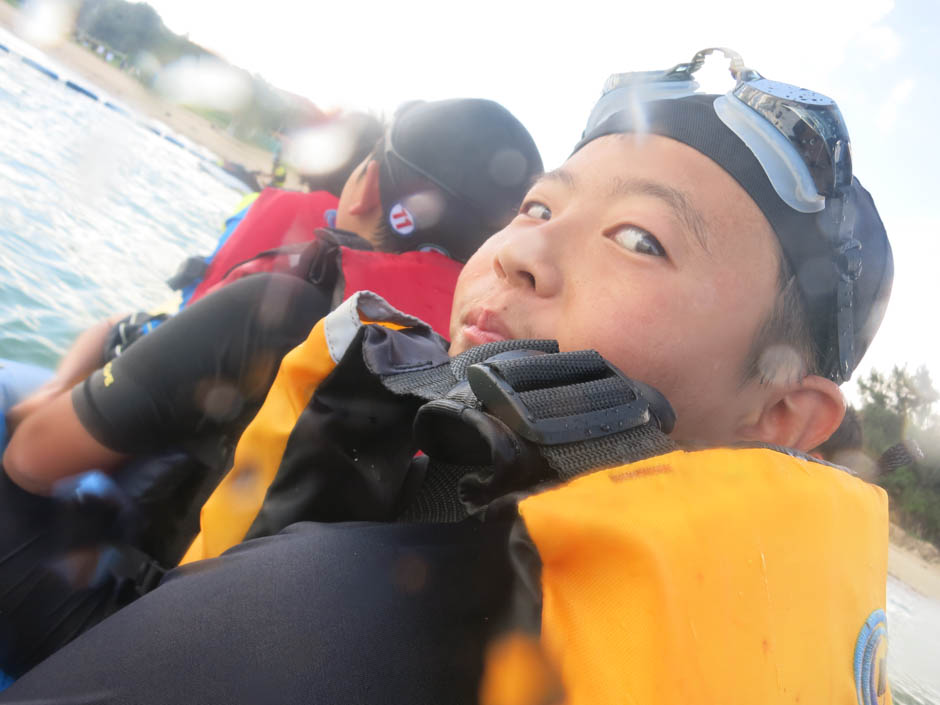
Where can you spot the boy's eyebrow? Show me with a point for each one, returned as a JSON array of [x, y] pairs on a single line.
[[560, 175], [674, 198]]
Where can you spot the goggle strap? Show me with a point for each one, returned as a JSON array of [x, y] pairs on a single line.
[[847, 255], [846, 326]]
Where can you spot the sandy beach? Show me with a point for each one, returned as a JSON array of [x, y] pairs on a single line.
[[914, 562], [131, 93]]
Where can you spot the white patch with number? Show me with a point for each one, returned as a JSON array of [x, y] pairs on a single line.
[[401, 220]]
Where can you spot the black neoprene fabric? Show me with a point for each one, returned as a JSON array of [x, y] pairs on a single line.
[[348, 456], [321, 613], [232, 338], [40, 607], [205, 370]]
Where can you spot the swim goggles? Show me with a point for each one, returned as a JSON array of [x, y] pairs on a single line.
[[800, 140]]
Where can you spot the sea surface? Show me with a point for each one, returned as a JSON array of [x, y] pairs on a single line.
[[97, 210]]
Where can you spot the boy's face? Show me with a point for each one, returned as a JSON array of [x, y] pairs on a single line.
[[648, 252]]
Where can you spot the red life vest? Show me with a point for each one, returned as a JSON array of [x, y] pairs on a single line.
[[419, 283], [276, 218]]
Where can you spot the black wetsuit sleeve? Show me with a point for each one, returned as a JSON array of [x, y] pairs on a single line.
[[204, 371]]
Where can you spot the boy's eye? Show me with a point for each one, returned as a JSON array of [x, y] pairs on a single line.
[[534, 209], [638, 240]]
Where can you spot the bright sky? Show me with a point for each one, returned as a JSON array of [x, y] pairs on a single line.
[[547, 62]]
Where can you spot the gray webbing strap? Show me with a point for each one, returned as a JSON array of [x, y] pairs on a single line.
[[525, 418]]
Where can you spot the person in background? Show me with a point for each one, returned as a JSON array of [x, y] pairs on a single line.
[[445, 176], [844, 447], [281, 218]]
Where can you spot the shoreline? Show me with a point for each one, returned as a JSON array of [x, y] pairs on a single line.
[[128, 91], [914, 562]]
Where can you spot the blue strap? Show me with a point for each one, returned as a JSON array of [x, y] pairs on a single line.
[[5, 681]]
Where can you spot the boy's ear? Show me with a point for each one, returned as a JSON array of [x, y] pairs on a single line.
[[802, 417], [367, 197]]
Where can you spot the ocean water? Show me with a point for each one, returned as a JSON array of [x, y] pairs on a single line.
[[96, 211]]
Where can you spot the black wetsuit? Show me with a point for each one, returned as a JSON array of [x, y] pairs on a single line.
[[320, 613], [194, 383], [363, 612], [205, 371]]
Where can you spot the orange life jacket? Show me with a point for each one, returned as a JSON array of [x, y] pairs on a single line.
[[747, 575]]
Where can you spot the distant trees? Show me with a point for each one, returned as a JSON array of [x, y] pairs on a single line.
[[897, 407], [132, 28], [136, 30]]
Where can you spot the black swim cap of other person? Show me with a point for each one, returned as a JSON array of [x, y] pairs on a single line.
[[453, 172]]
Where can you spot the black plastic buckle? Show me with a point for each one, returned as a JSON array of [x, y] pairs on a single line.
[[148, 577], [500, 399], [848, 257], [138, 567], [190, 272]]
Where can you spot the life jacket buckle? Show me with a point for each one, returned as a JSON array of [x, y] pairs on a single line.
[[148, 577], [130, 563], [499, 397]]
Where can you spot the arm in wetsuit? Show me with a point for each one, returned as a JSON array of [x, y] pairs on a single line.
[[83, 358], [205, 371]]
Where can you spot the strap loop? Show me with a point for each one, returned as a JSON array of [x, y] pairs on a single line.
[[848, 258], [565, 397], [133, 564]]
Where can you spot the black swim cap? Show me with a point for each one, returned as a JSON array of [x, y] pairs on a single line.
[[454, 172], [805, 238]]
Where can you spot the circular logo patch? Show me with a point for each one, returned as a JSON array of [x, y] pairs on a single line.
[[401, 220], [871, 651], [431, 247]]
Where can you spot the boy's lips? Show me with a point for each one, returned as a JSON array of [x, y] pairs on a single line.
[[484, 326]]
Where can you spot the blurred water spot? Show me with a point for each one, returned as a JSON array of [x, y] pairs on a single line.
[[508, 167], [82, 567], [780, 365], [274, 303], [47, 22], [322, 148], [204, 82], [426, 207], [148, 64], [97, 169], [245, 482], [410, 573], [219, 400]]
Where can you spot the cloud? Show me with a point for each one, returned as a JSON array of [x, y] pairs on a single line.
[[909, 334], [880, 43], [889, 111]]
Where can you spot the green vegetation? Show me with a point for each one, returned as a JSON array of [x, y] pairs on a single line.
[[899, 407], [142, 45], [132, 28]]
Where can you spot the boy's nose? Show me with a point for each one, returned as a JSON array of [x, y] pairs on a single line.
[[529, 259]]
